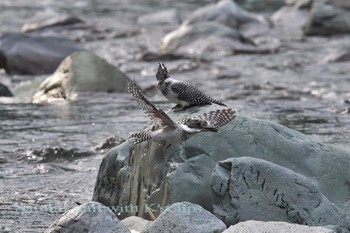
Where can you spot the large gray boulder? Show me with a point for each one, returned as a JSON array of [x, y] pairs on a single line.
[[24, 54], [253, 189], [186, 217], [274, 227], [150, 174], [328, 18], [81, 72], [90, 217]]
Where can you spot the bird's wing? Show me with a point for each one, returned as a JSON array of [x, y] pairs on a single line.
[[216, 118], [189, 93], [155, 114]]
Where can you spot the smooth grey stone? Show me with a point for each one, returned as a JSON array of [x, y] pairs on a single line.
[[136, 224], [186, 217], [80, 72], [274, 227], [225, 12], [24, 54], [48, 19], [203, 37], [92, 217]]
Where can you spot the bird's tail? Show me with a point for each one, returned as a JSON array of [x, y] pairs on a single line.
[[140, 137], [218, 102]]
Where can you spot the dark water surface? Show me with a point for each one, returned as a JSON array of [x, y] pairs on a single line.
[[291, 88]]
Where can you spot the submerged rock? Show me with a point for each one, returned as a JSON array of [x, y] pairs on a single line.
[[55, 153], [81, 72], [253, 189], [148, 173], [25, 54], [187, 218], [90, 217], [274, 227], [338, 55], [5, 91]]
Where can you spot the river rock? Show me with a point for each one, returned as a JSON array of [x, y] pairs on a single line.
[[253, 189], [288, 22], [338, 55], [26, 54], [81, 72], [169, 16], [202, 38], [300, 3], [136, 224], [216, 29], [3, 61], [327, 18], [274, 227], [5, 91], [186, 217], [49, 18], [90, 217], [225, 12]]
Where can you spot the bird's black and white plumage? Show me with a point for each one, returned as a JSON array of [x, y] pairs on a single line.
[[184, 94], [170, 132]]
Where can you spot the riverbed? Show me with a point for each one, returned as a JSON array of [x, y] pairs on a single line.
[[292, 87]]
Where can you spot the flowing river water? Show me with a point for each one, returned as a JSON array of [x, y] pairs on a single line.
[[49, 153]]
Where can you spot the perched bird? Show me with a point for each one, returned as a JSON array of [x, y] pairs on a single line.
[[182, 93], [170, 132]]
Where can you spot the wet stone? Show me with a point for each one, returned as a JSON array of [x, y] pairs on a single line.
[[26, 54], [5, 91], [327, 19], [109, 143], [90, 217], [49, 19], [80, 72], [187, 218], [170, 16]]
